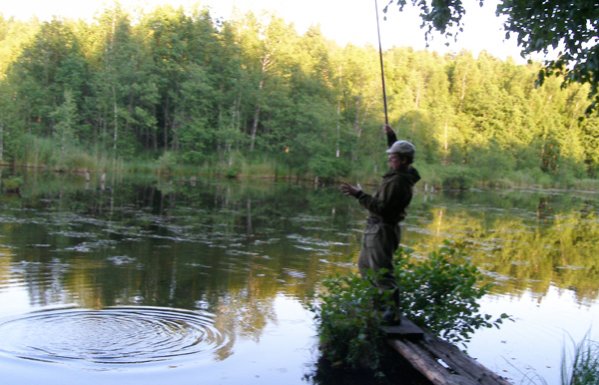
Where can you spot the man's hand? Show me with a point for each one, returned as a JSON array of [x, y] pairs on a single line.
[[387, 128], [348, 189]]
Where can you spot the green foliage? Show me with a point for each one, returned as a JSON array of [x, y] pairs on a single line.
[[349, 323], [65, 117], [205, 90], [48, 66], [12, 184], [583, 367], [36, 151], [443, 16], [491, 162], [440, 293], [329, 167], [167, 163], [457, 178], [40, 152], [76, 159], [260, 168], [570, 26]]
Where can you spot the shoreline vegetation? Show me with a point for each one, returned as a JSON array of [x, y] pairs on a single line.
[[176, 92], [436, 178]]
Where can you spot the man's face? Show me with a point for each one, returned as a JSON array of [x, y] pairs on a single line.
[[394, 161]]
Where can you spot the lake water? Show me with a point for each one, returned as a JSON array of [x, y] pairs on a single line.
[[208, 282]]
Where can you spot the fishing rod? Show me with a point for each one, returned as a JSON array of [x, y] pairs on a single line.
[[378, 29]]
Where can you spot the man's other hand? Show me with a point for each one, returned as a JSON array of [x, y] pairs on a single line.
[[348, 189]]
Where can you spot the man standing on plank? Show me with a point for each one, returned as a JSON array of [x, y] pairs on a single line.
[[386, 209]]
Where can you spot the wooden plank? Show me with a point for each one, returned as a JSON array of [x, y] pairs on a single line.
[[423, 363], [406, 329], [461, 363], [443, 363]]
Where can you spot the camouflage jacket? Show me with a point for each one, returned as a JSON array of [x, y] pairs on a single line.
[[389, 203]]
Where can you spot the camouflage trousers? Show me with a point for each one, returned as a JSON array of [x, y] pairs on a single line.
[[379, 243]]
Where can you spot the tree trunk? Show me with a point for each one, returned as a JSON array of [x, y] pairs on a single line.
[[1, 142], [165, 126], [445, 143], [462, 93], [337, 149], [266, 62], [357, 126], [115, 111], [115, 135], [254, 128], [175, 133]]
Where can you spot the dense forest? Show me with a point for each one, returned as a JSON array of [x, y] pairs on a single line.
[[176, 87]]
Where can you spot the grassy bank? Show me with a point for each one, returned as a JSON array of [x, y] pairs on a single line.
[[46, 154]]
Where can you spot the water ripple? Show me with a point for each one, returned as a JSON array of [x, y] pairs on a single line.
[[111, 336]]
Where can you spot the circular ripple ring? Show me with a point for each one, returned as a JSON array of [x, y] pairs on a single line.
[[114, 335]]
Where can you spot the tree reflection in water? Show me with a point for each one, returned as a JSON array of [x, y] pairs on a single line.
[[232, 247]]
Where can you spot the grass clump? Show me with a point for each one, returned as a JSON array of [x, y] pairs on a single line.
[[583, 367]]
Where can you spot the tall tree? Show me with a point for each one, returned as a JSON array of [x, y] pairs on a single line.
[[202, 89], [124, 90], [266, 44], [168, 30], [48, 66], [65, 117], [360, 100], [225, 61], [14, 35]]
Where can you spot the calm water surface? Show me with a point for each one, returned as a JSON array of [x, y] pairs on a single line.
[[208, 282]]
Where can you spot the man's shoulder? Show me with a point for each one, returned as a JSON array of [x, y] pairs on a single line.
[[410, 176], [395, 178]]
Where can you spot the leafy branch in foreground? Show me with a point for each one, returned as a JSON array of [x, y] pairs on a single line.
[[439, 293], [564, 26], [348, 323]]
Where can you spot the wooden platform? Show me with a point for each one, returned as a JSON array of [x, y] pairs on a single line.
[[438, 361], [406, 330]]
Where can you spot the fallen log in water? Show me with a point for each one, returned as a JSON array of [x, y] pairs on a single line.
[[438, 361]]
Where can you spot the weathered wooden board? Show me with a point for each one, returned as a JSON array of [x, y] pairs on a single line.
[[443, 363]]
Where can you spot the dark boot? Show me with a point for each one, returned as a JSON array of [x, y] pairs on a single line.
[[391, 316]]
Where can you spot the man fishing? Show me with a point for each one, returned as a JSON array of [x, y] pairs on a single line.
[[386, 209]]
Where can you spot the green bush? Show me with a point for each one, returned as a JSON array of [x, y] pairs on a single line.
[[328, 168], [457, 182], [167, 163], [12, 184], [348, 323], [492, 162], [77, 159], [439, 293], [38, 151], [457, 178]]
